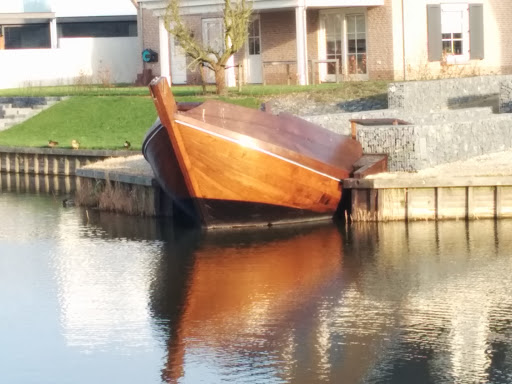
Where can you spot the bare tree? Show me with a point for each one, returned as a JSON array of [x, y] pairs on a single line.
[[236, 18]]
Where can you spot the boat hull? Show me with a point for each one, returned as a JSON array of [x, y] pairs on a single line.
[[224, 208], [229, 166]]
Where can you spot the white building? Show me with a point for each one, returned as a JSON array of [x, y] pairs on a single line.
[[54, 42]]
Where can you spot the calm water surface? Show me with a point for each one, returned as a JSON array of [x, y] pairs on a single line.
[[100, 298]]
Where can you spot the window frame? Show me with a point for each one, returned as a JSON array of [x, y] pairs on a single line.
[[474, 47], [463, 8]]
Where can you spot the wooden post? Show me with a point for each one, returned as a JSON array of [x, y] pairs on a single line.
[[239, 78], [353, 129]]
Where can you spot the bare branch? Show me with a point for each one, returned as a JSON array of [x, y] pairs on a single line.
[[236, 18]]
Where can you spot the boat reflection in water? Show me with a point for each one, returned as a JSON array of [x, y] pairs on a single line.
[[418, 302], [243, 292]]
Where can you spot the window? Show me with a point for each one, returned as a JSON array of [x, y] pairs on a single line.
[[455, 32], [254, 37], [356, 44], [98, 29], [27, 36], [454, 24]]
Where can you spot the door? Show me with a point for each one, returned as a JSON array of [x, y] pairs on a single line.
[[356, 45], [343, 38], [178, 62], [254, 69], [212, 36], [333, 30]]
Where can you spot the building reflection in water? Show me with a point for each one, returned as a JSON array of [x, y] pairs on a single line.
[[378, 302]]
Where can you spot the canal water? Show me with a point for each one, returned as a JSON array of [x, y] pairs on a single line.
[[88, 297]]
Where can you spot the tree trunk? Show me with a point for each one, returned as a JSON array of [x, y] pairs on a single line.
[[202, 71], [220, 80]]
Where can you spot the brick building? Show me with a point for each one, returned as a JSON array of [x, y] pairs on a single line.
[[305, 41]]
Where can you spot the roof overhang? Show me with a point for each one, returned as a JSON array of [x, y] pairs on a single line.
[[26, 18], [193, 7]]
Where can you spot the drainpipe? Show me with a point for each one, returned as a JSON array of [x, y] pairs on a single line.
[[403, 42]]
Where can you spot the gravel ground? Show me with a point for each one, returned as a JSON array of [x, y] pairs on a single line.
[[131, 165], [303, 104]]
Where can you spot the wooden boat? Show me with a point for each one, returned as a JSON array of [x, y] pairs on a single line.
[[226, 165]]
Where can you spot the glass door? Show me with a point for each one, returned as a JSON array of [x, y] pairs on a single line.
[[254, 65], [333, 44], [356, 44]]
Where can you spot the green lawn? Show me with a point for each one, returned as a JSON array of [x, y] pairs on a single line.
[[103, 118], [96, 122], [346, 90]]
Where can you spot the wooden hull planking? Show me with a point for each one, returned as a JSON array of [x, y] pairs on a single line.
[[234, 166]]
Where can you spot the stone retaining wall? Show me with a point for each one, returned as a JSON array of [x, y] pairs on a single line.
[[443, 94], [415, 147], [450, 120], [505, 100]]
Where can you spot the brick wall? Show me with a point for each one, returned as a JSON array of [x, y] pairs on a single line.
[[380, 42], [501, 11], [150, 37], [278, 44]]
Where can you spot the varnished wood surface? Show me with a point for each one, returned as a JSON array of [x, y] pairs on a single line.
[[249, 141], [285, 131], [236, 154], [229, 171]]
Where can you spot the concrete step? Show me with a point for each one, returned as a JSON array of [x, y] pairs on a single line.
[[14, 112], [11, 115]]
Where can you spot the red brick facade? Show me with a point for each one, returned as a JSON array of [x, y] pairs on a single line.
[[391, 32]]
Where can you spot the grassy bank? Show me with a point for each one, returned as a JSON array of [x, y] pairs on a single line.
[[103, 122], [104, 117], [254, 93]]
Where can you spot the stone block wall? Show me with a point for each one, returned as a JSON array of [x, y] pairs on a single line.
[[148, 25], [423, 96], [505, 99], [414, 147]]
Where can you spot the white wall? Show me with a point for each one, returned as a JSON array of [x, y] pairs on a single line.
[[76, 59], [416, 40]]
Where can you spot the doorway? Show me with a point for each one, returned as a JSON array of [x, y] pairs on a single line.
[[212, 36], [178, 62], [254, 66], [343, 38]]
